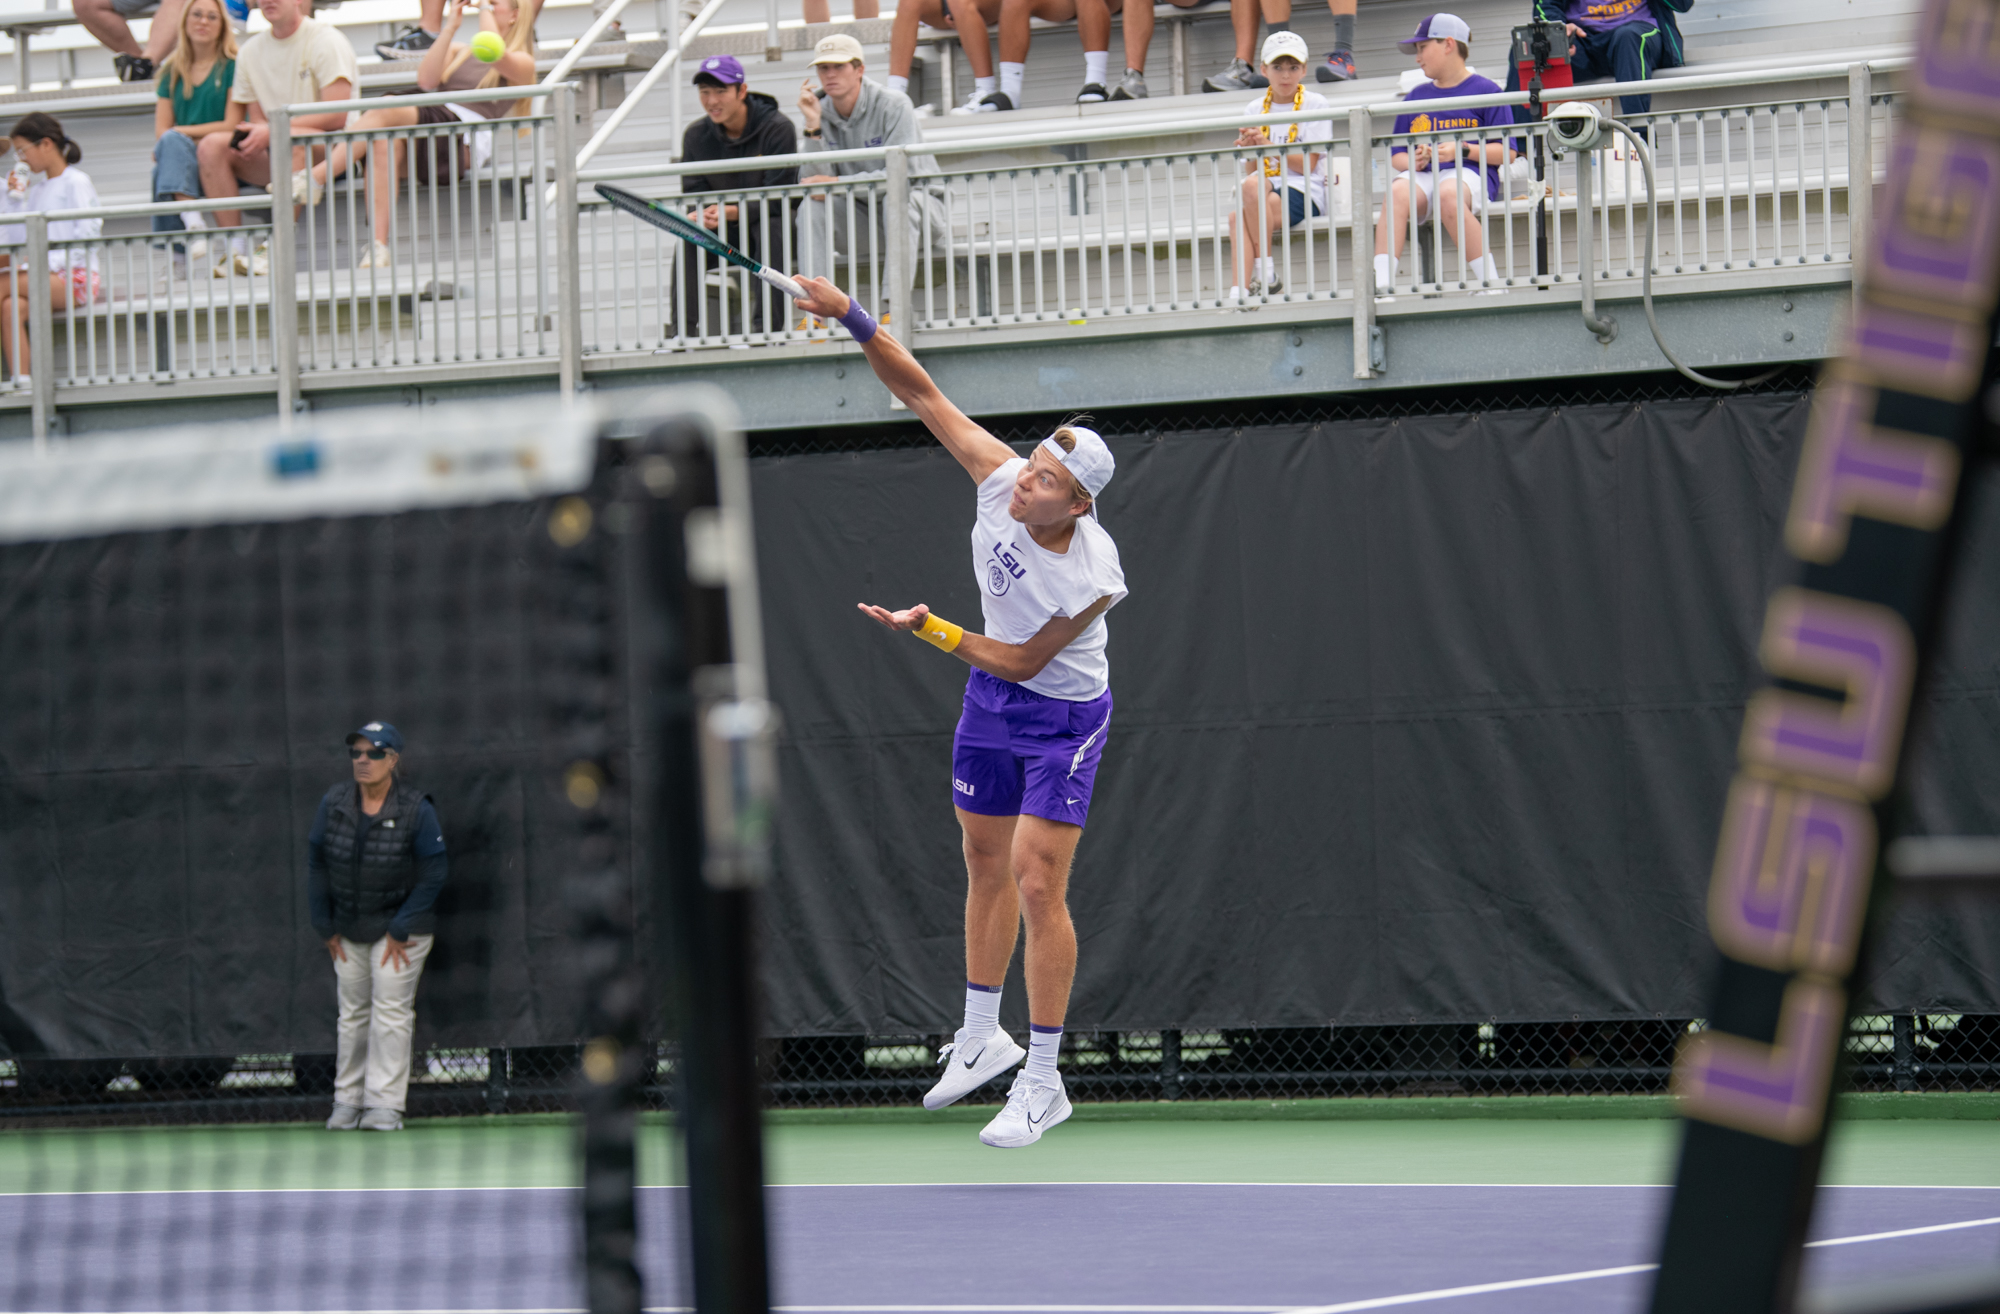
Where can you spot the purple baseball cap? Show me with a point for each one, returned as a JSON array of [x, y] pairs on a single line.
[[1433, 27], [722, 68]]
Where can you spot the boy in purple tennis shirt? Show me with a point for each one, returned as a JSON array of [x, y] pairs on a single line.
[[1037, 708], [1460, 176]]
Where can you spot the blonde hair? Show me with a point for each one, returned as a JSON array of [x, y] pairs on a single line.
[[178, 67], [519, 37], [1065, 438]]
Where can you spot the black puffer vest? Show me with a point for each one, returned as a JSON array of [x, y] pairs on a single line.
[[367, 893]]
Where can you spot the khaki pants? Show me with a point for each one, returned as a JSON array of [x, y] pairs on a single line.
[[377, 1015]]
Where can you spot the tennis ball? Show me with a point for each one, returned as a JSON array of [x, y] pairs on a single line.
[[488, 47], [1076, 315]]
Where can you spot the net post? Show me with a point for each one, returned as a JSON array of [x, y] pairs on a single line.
[[41, 338], [1361, 217], [569, 296], [709, 796], [284, 267]]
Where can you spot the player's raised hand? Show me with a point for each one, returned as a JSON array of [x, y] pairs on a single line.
[[903, 621], [823, 298]]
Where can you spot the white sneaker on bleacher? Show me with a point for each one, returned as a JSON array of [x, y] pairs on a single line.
[[970, 1064], [1032, 1108], [990, 102]]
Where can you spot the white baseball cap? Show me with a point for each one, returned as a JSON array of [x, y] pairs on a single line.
[[1090, 462], [1285, 43], [838, 48], [1433, 27]]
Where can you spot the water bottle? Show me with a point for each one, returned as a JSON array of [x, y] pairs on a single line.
[[19, 177]]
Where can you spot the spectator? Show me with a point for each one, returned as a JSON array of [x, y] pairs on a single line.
[[1015, 37], [1281, 189], [44, 177], [193, 103], [108, 22], [854, 115], [300, 59], [375, 863], [738, 123], [413, 41], [1460, 177], [447, 66], [1093, 25], [1277, 16], [972, 36], [1624, 40]]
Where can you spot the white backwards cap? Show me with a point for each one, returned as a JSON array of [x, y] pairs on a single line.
[[1090, 463]]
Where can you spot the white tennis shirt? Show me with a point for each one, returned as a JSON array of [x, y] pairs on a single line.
[[1023, 586]]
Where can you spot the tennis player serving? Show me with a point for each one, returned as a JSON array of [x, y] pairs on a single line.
[[1037, 705]]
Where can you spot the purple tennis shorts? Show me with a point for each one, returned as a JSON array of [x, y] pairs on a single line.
[[1017, 751]]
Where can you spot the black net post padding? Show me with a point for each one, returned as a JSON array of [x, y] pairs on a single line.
[[596, 786], [1875, 528], [710, 918]]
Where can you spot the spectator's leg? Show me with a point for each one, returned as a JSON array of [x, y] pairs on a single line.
[[1137, 19], [431, 16], [388, 165], [1246, 230], [1634, 54], [1392, 226], [903, 37], [176, 176], [164, 34], [1244, 15], [1459, 208], [974, 36], [867, 9], [1093, 29], [350, 1059], [107, 26], [818, 11], [692, 291], [392, 1019], [221, 170]]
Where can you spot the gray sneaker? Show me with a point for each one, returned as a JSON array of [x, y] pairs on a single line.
[[345, 1118], [381, 1120], [1239, 76], [410, 43], [1132, 86]]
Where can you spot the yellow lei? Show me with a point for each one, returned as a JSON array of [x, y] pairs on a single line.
[[1274, 166]]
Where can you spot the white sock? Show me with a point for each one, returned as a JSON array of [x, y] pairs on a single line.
[[1093, 65], [194, 220], [985, 86], [899, 83], [1485, 267], [1010, 81], [1266, 269], [1043, 1045], [1385, 271], [982, 1011], [239, 245]]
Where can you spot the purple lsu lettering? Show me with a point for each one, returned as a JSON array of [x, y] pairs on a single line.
[[1850, 467], [1791, 878], [1010, 561], [1777, 1091]]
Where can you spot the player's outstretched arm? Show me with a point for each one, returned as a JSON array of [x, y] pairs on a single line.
[[1013, 662], [977, 450]]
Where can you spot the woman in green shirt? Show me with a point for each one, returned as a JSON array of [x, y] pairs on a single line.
[[193, 102]]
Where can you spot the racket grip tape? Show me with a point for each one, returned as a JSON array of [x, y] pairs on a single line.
[[940, 633], [783, 283]]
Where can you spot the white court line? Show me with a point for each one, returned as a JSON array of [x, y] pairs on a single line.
[[822, 1186]]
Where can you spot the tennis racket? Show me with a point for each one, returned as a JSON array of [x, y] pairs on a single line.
[[660, 216]]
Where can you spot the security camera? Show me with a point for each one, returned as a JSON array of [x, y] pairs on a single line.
[[1575, 125]]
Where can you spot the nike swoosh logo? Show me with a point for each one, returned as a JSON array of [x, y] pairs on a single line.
[[1033, 1121], [969, 1062]]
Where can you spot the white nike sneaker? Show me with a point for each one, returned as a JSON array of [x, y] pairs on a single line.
[[1032, 1108], [970, 1064]]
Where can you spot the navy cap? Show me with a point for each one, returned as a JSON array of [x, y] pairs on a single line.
[[721, 68], [381, 734]]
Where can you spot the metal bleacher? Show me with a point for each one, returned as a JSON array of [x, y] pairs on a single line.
[[1060, 232]]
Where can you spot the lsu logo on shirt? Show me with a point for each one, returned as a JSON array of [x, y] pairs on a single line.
[[1002, 569]]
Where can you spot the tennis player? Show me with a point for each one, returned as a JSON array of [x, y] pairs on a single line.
[[1037, 705]]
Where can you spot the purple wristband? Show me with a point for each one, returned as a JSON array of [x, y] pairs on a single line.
[[858, 321]]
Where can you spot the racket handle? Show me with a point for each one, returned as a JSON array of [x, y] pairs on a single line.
[[784, 283]]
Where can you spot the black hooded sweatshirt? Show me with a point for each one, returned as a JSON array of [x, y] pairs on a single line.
[[765, 132]]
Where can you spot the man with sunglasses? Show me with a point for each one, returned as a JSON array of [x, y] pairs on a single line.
[[375, 863]]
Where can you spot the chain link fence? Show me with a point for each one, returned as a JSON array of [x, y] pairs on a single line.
[[1886, 1052]]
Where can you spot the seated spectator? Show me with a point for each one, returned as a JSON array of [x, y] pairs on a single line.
[[193, 103], [108, 22], [1277, 16], [71, 278], [738, 123], [971, 35], [857, 114], [1460, 177], [1093, 24], [1624, 40], [1281, 190], [300, 59], [1015, 36], [447, 66]]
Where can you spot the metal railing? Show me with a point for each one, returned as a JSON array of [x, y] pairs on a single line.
[[1017, 231]]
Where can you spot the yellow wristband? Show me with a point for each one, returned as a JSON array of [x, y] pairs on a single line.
[[940, 633]]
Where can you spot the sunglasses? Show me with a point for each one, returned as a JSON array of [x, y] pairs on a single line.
[[376, 754]]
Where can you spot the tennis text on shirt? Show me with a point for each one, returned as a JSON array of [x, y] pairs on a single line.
[[1470, 121], [1023, 586]]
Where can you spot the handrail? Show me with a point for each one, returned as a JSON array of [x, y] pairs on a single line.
[[1079, 136], [422, 98], [585, 42]]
